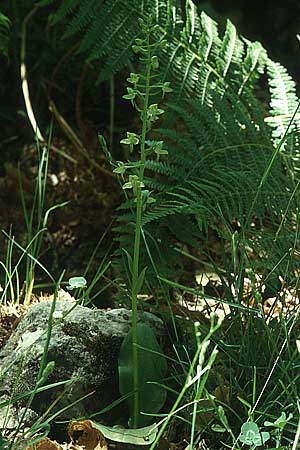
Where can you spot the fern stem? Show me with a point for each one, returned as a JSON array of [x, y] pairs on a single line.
[[137, 240]]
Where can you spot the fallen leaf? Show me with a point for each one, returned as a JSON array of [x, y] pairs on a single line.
[[85, 434], [45, 444]]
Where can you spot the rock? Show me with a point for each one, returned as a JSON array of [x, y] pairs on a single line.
[[84, 346], [9, 420]]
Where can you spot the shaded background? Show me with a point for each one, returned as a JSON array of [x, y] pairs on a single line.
[[94, 196], [274, 23]]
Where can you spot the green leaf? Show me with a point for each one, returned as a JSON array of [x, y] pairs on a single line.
[[223, 418], [129, 260], [46, 372], [152, 369], [217, 428], [137, 436], [140, 280], [147, 199]]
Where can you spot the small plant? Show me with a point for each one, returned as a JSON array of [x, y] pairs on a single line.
[[143, 87], [76, 283], [278, 426], [36, 217], [252, 436], [195, 379]]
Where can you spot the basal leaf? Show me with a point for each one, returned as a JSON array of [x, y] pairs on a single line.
[[152, 369]]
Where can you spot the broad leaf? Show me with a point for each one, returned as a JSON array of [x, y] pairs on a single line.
[[137, 436], [152, 369]]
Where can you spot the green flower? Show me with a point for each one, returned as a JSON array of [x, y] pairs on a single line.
[[157, 147], [131, 140], [153, 113], [121, 169], [166, 88], [154, 62], [131, 94], [134, 78], [134, 183]]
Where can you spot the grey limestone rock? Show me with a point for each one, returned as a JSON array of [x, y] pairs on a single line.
[[84, 345]]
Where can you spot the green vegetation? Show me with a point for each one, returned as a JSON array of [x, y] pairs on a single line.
[[143, 88], [205, 161]]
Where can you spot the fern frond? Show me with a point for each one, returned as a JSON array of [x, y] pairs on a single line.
[[284, 100], [88, 10], [285, 115], [253, 65], [4, 34], [46, 2], [231, 53], [162, 168], [196, 59], [209, 42], [66, 8], [218, 141]]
